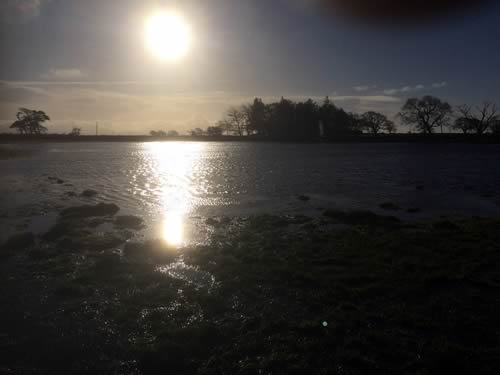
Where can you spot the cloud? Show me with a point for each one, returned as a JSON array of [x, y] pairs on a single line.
[[20, 11], [404, 89], [386, 104], [391, 91], [17, 93], [63, 74], [408, 89], [370, 98], [364, 88], [439, 85]]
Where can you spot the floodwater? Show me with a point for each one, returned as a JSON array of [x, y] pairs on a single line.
[[176, 186]]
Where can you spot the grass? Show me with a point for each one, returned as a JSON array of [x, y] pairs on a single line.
[[12, 153], [347, 293], [129, 221]]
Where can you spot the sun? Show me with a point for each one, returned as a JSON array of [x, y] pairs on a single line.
[[168, 35]]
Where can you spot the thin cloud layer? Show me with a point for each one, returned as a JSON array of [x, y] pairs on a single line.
[[364, 88], [63, 75], [439, 85], [409, 89]]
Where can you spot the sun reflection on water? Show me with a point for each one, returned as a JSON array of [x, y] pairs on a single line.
[[174, 163], [173, 228]]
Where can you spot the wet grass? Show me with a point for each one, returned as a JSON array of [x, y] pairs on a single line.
[[128, 221], [389, 206], [13, 153], [80, 212], [346, 293]]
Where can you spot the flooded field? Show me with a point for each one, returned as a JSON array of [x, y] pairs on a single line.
[[175, 186], [213, 258]]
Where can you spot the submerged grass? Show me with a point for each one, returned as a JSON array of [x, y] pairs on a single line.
[[13, 153], [347, 293]]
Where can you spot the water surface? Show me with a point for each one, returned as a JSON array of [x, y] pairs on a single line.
[[175, 186]]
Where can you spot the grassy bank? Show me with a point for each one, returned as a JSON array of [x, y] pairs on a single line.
[[347, 293]]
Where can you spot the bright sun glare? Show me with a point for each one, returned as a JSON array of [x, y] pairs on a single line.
[[168, 35]]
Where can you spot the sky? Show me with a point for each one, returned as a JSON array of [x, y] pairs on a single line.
[[84, 61]]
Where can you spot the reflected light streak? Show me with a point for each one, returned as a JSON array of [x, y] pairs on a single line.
[[173, 228], [174, 163]]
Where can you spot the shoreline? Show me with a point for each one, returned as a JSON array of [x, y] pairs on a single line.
[[365, 138]]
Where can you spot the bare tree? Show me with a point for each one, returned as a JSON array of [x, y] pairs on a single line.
[[225, 126], [480, 120], [375, 122], [462, 124], [246, 110], [426, 113], [235, 121], [391, 127]]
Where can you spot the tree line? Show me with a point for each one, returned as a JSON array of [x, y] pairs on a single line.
[[309, 121], [429, 113], [31, 122], [298, 121], [288, 120]]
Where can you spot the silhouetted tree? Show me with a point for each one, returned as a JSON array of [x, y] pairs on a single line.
[[495, 127], [214, 131], [335, 121], [281, 116], [235, 121], [225, 126], [375, 122], [197, 132], [355, 123], [257, 117], [75, 132], [426, 113], [246, 109], [306, 124], [326, 114], [30, 121], [480, 120], [172, 133], [462, 124], [157, 134], [288, 120], [391, 127]]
